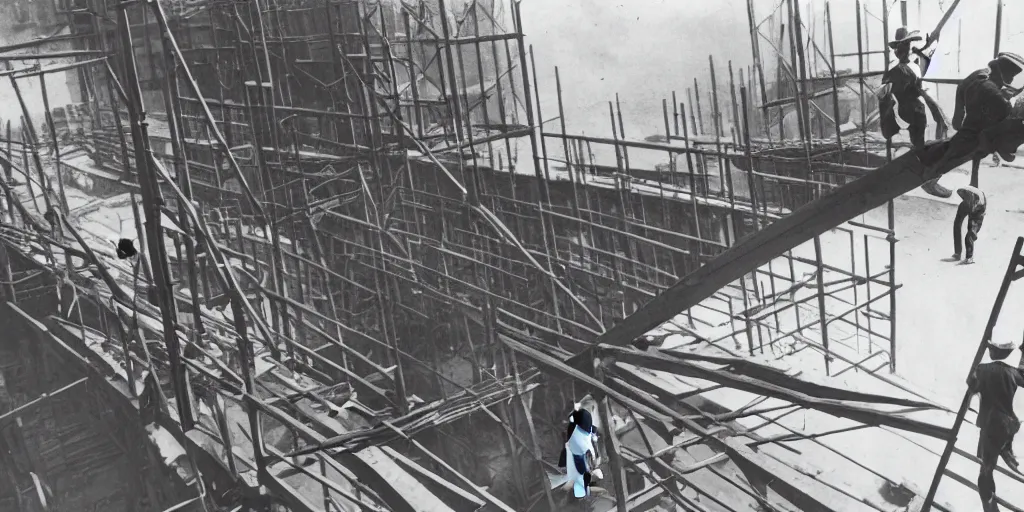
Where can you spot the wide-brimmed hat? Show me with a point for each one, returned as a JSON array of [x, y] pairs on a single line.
[[903, 34], [1004, 347], [1012, 59]]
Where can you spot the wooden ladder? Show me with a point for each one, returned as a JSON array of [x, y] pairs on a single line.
[[1014, 271]]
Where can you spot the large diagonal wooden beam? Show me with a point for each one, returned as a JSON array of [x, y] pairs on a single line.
[[815, 218]]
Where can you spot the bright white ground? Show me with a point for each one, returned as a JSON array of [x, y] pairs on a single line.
[[943, 307]]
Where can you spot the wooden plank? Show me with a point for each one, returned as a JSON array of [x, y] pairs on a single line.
[[798, 489], [399, 489], [740, 366], [795, 395], [413, 467], [815, 218], [289, 495], [645, 498], [382, 474]]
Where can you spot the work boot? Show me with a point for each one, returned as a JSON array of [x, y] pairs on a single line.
[[968, 260], [932, 187], [956, 256], [1011, 460]]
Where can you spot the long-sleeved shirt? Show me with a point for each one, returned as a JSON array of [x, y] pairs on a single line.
[[997, 382], [906, 88], [980, 102]]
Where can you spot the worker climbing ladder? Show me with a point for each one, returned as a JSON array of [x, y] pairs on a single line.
[[1014, 272]]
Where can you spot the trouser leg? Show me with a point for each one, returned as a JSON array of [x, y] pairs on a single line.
[[1007, 454], [975, 166], [961, 214], [973, 228], [932, 187], [986, 483], [917, 132], [996, 438], [969, 242]]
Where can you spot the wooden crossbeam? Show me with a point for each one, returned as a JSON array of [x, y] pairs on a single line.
[[23, 407]]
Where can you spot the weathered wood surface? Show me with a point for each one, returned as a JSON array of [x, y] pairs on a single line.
[[861, 196], [800, 490]]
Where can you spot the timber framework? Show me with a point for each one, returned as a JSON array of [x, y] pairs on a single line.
[[374, 275]]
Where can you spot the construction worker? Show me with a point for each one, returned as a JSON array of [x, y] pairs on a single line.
[[902, 82], [579, 455], [982, 102], [972, 207], [997, 382]]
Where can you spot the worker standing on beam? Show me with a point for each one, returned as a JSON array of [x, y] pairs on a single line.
[[903, 83], [982, 102], [997, 382], [972, 207]]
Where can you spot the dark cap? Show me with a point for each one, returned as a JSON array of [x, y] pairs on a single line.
[[1012, 59]]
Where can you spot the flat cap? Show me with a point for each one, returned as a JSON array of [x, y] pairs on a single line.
[[1012, 58]]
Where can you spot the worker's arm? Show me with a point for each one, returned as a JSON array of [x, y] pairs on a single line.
[[1020, 368], [937, 114], [972, 382], [925, 55], [958, 110], [994, 102]]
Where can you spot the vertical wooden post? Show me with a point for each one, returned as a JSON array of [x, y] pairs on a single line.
[[456, 101], [56, 145], [8, 170], [835, 84], [999, 26], [755, 46], [959, 41], [699, 126], [155, 239], [618, 475], [890, 209], [860, 79], [805, 103]]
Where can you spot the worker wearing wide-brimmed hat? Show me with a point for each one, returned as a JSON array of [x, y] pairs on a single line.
[[982, 103], [997, 382], [903, 82]]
